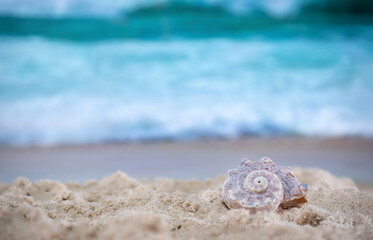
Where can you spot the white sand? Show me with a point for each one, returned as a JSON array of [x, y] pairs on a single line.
[[119, 207]]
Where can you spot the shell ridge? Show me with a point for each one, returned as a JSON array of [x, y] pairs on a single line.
[[261, 185]]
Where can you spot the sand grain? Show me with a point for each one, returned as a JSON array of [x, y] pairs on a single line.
[[120, 207]]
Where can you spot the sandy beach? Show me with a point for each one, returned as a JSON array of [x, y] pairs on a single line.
[[123, 120], [154, 196], [120, 207]]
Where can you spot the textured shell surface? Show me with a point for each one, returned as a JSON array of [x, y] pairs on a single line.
[[262, 186]]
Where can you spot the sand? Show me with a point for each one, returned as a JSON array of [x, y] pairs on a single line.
[[121, 207], [351, 157]]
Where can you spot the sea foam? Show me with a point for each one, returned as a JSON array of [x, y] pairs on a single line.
[[64, 92]]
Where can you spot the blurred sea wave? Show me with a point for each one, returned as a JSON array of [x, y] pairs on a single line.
[[82, 20], [83, 72], [110, 8]]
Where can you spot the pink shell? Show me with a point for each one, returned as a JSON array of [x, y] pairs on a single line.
[[262, 186]]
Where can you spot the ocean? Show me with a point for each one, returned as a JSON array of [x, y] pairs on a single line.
[[112, 71]]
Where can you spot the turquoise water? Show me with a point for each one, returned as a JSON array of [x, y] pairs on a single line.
[[115, 72]]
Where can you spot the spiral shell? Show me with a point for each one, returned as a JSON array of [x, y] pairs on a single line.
[[262, 186]]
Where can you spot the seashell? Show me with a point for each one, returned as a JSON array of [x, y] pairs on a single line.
[[262, 186]]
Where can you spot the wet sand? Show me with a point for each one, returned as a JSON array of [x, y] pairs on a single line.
[[351, 157]]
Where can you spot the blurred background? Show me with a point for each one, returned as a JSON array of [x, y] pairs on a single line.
[[184, 88]]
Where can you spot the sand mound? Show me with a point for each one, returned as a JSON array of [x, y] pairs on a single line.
[[119, 207]]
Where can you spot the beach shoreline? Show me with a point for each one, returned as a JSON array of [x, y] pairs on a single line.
[[344, 157]]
